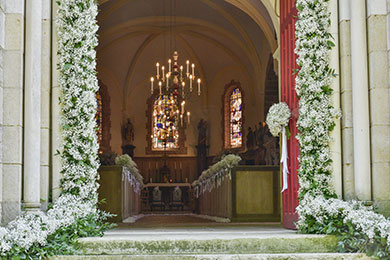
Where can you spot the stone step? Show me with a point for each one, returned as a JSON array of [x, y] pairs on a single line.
[[302, 256], [208, 244]]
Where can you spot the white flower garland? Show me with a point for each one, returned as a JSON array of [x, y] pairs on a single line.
[[316, 194], [215, 174], [77, 62], [130, 172], [277, 118]]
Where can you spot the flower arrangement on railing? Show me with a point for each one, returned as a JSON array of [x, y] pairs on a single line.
[[357, 227], [37, 235], [130, 172], [215, 174], [277, 121]]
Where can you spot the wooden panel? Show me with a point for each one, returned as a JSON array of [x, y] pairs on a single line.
[[181, 168], [254, 191], [288, 13], [255, 194]]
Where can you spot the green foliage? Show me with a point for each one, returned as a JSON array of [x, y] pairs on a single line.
[[64, 240]]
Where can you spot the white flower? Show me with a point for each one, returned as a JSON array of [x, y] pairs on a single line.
[[278, 117]]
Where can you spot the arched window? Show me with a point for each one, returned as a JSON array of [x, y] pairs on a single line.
[[235, 118], [233, 115], [165, 123]]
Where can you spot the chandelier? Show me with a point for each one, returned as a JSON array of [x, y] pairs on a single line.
[[174, 86]]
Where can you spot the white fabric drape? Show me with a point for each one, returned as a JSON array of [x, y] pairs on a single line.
[[283, 159]]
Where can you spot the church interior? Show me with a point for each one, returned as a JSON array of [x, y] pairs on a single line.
[[183, 83]]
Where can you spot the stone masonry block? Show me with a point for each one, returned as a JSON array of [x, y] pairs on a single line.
[[376, 29], [13, 68], [346, 104], [14, 6], [12, 144], [45, 146], [12, 182], [14, 32], [381, 181], [345, 38], [2, 29], [378, 67], [10, 210], [13, 106], [376, 7], [380, 144], [345, 73], [379, 107], [45, 108]]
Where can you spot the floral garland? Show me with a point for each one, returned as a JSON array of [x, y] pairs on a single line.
[[215, 174], [319, 209], [77, 42], [130, 172], [277, 118]]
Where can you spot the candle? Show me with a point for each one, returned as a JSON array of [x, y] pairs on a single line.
[[182, 106], [188, 66], [167, 81], [193, 69], [188, 117], [190, 83], [198, 87], [151, 84], [181, 119], [181, 71], [163, 74], [158, 70], [182, 89], [159, 86], [170, 66]]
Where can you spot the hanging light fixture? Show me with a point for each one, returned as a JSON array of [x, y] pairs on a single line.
[[175, 85]]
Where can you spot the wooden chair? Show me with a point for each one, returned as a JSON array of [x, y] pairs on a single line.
[[157, 202], [177, 201]]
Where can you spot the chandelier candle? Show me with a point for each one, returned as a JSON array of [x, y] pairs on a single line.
[[158, 70], [188, 67], [170, 65], [198, 87], [151, 85]]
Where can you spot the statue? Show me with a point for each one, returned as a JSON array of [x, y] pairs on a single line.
[[128, 138], [128, 133], [271, 153], [202, 146], [250, 139]]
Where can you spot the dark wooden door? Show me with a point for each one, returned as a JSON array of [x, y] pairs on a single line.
[[288, 14]]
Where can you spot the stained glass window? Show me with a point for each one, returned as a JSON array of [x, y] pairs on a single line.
[[99, 118], [235, 102], [165, 123]]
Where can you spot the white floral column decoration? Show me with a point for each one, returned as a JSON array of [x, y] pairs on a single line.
[[77, 63], [277, 121]]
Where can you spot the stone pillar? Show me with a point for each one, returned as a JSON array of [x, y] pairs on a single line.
[[346, 99], [361, 119], [12, 108], [2, 45], [32, 105], [335, 146], [378, 32], [55, 111], [45, 101]]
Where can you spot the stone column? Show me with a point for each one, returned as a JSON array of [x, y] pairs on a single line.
[[346, 99], [32, 105], [55, 110], [45, 101], [378, 32], [2, 45], [12, 108], [335, 146], [361, 119]]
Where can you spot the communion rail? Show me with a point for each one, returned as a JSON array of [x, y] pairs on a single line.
[[121, 192]]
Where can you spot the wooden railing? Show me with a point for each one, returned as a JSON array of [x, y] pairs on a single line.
[[217, 202], [131, 199]]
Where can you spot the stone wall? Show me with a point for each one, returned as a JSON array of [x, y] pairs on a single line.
[[11, 107]]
